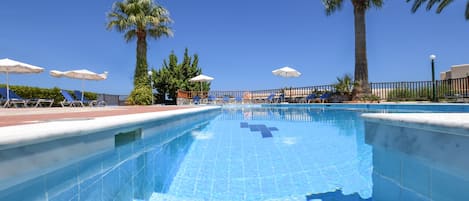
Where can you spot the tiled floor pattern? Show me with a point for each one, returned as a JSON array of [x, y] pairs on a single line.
[[302, 158]]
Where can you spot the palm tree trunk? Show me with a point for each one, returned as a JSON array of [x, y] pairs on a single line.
[[361, 63], [140, 76]]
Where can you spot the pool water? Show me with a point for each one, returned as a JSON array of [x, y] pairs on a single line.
[[240, 153], [307, 151]]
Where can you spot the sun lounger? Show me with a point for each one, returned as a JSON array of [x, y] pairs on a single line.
[[226, 99], [14, 99], [270, 98], [85, 101], [196, 100], [239, 99], [212, 99], [324, 97], [69, 100], [310, 98]]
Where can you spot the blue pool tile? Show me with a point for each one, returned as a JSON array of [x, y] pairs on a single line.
[[266, 133], [31, 190], [416, 176], [385, 189], [61, 179], [244, 125], [111, 184], [91, 189], [70, 194], [412, 196], [254, 128], [273, 128], [446, 186]]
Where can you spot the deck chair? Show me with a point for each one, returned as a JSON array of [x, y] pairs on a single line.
[[196, 99], [212, 99], [281, 98], [226, 99], [14, 100], [310, 98], [69, 100], [270, 98], [85, 101], [324, 97], [239, 99]]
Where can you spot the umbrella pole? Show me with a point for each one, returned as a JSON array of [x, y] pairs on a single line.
[[8, 90], [82, 89]]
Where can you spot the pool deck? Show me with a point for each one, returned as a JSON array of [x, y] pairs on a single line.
[[450, 123], [22, 127], [21, 116]]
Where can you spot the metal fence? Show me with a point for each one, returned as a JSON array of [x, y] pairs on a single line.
[[456, 90], [292, 95], [452, 90], [113, 99]]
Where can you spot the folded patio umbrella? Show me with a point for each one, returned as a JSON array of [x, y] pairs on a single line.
[[9, 66], [82, 74]]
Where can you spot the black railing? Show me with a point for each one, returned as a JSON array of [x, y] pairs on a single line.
[[291, 94], [452, 90], [447, 90]]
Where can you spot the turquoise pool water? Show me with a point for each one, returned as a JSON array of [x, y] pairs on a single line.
[[237, 153]]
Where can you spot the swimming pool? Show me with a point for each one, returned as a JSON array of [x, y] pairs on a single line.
[[238, 153]]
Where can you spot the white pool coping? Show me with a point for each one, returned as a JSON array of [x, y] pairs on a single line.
[[21, 135], [451, 123]]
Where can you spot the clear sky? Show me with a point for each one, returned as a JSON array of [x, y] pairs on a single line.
[[239, 42]]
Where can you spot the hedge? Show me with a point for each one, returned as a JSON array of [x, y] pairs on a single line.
[[27, 92]]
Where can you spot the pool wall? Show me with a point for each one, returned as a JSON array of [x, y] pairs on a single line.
[[29, 157], [419, 156]]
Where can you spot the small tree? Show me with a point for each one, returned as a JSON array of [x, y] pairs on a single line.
[[139, 20], [173, 77], [344, 85]]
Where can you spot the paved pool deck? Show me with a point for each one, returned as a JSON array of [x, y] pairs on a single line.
[[21, 116]]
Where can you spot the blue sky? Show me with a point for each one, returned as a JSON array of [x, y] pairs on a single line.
[[239, 42]]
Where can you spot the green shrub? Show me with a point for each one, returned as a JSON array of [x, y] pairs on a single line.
[[140, 96], [371, 98], [406, 94]]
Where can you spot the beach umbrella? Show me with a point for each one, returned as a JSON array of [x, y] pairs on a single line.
[[201, 78], [9, 66], [286, 72], [82, 75]]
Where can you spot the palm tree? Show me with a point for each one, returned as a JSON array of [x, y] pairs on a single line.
[[140, 19], [441, 5], [361, 63]]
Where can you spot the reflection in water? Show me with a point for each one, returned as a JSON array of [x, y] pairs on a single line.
[[337, 195], [132, 171]]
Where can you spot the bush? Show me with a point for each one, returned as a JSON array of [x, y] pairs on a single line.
[[405, 94], [140, 96], [371, 98]]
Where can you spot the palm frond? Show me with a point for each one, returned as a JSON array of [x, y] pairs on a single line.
[[430, 3], [467, 11], [442, 5], [131, 15], [416, 5], [332, 5], [160, 31], [377, 3], [130, 35]]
